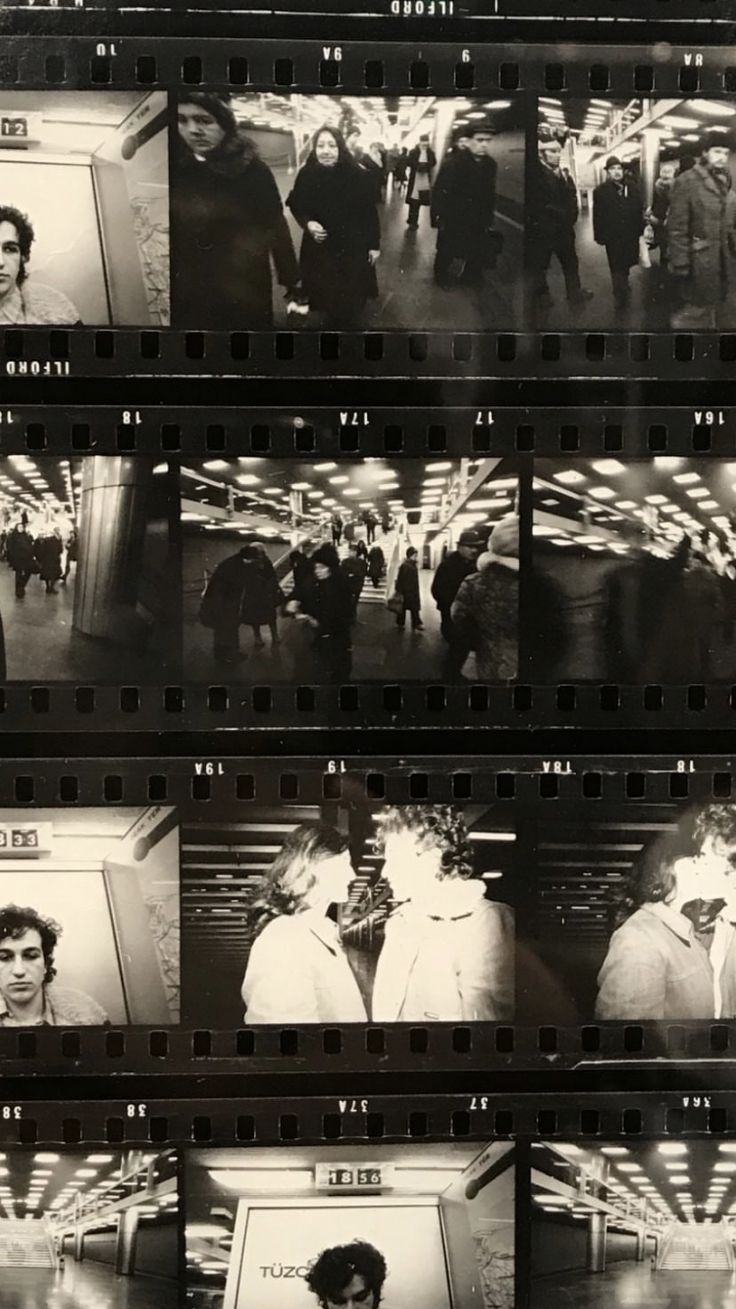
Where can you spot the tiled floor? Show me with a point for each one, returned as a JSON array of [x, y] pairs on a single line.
[[83, 1286], [635, 1286]]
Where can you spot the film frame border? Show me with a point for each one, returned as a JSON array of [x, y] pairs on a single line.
[[365, 66], [222, 785]]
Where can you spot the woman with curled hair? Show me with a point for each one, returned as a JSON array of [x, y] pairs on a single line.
[[297, 970], [24, 302], [348, 1276], [669, 957], [448, 952]]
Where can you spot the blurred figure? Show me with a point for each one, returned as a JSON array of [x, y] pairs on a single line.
[[370, 520], [485, 611], [463, 210], [376, 565], [328, 609], [227, 223], [222, 603], [20, 554], [407, 586], [618, 222], [701, 238], [354, 568], [334, 203], [72, 554], [262, 595], [336, 529], [421, 162], [400, 168], [553, 212], [48, 550]]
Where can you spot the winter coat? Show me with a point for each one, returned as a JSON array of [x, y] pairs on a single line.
[[553, 202], [20, 551], [407, 584], [331, 602], [227, 225], [419, 178], [701, 236], [262, 594], [354, 568], [48, 551], [376, 562], [658, 210], [298, 973], [222, 601], [453, 570], [618, 221], [451, 966], [336, 274], [464, 203], [655, 968], [486, 607]]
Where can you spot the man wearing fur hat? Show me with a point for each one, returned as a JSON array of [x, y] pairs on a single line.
[[618, 222], [701, 238]]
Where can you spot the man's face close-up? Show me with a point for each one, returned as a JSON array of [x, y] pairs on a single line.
[[199, 130], [408, 868], [718, 158], [616, 173], [22, 968], [9, 259], [356, 1295], [551, 154], [715, 867]]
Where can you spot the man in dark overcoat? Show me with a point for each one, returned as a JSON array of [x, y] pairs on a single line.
[[618, 222], [553, 212], [463, 209], [701, 238]]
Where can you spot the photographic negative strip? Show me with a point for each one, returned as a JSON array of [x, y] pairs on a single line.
[[88, 569], [100, 255], [89, 917], [335, 1224], [394, 569], [90, 1225]]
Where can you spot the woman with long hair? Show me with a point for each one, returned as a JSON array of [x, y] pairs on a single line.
[[297, 970], [660, 963], [335, 205], [227, 223]]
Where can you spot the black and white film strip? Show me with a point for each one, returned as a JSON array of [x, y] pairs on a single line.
[[260, 208]]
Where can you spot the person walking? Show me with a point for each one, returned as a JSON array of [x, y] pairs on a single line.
[[376, 565], [486, 607], [463, 210], [21, 556], [336, 528], [222, 603], [452, 570], [328, 608], [407, 586], [553, 213], [354, 568], [48, 550], [72, 554], [334, 203], [262, 595], [227, 223], [421, 162], [701, 239], [618, 222]]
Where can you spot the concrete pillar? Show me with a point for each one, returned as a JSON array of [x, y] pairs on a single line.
[[114, 512], [596, 1252], [78, 1243], [443, 120], [649, 164], [641, 1246], [126, 1242]]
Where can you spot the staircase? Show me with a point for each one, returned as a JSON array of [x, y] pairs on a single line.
[[24, 1245], [702, 1247]]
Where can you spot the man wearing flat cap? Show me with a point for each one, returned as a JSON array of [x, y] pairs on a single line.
[[453, 570], [701, 238], [618, 222]]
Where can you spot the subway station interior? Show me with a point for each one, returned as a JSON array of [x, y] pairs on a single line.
[[577, 868], [283, 127], [442, 1217], [103, 155], [223, 868], [643, 134], [89, 572], [634, 570], [646, 1224], [286, 505], [88, 1228]]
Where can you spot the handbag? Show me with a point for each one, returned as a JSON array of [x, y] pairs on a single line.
[[395, 603]]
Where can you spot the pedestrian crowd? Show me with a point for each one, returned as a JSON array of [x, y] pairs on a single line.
[[45, 554]]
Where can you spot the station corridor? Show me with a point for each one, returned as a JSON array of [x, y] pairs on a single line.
[[83, 1286]]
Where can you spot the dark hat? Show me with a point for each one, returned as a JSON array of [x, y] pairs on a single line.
[[326, 554], [469, 537], [612, 162], [711, 139]]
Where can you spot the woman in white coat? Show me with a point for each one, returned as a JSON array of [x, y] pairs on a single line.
[[297, 970]]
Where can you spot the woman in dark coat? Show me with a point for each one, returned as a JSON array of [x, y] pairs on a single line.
[[227, 224], [333, 203], [376, 564], [48, 552], [262, 595], [328, 608]]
